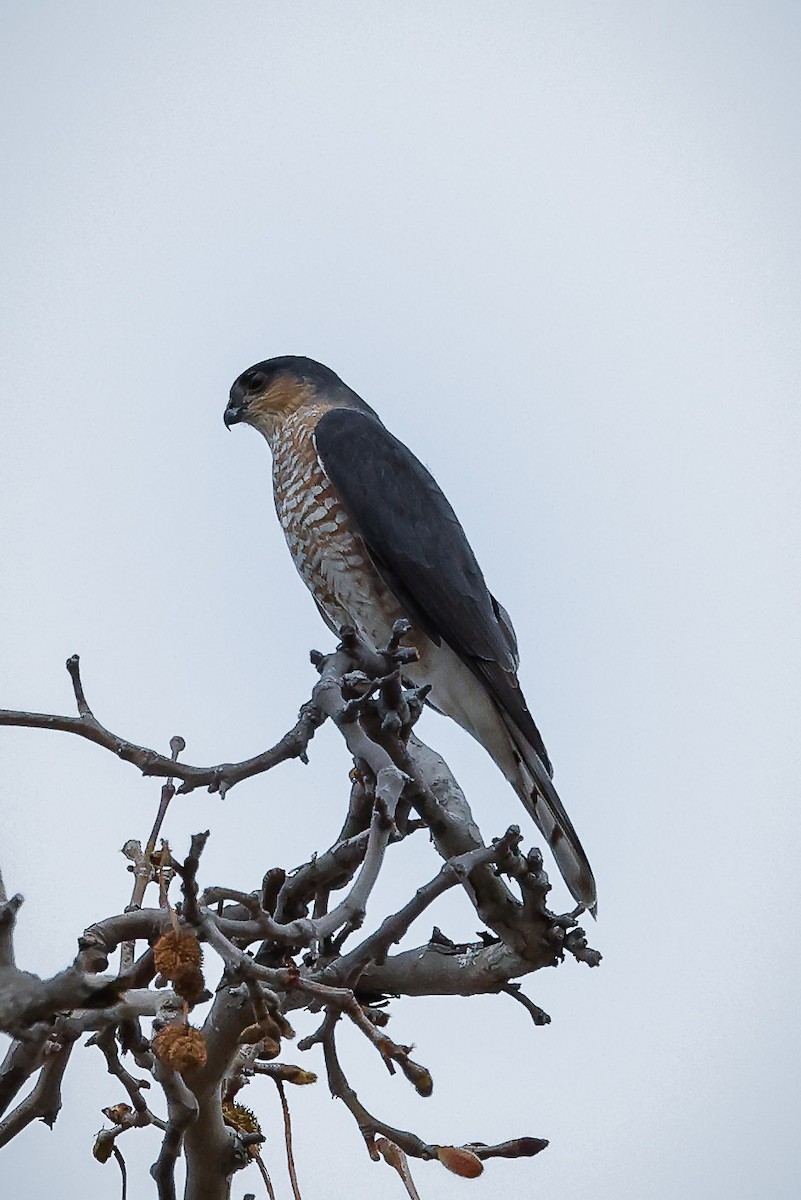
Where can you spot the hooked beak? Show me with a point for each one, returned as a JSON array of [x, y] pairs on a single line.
[[235, 412]]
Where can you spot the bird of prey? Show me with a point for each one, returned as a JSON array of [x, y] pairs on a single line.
[[374, 539]]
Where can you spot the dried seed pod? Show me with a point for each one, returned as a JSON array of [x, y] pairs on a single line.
[[244, 1119], [240, 1116], [174, 951], [460, 1161], [181, 1047], [189, 983]]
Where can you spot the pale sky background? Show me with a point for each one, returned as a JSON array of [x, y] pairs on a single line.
[[556, 246]]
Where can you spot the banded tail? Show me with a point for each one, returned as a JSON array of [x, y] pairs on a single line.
[[541, 799]]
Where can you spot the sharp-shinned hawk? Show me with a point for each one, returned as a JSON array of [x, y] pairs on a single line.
[[374, 539]]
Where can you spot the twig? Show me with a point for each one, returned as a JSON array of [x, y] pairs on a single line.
[[105, 1042], [143, 869], [188, 873], [538, 1015], [268, 1183], [290, 1158], [394, 1156], [369, 1125], [220, 778], [8, 917], [115, 1150], [177, 745], [576, 944], [343, 1000]]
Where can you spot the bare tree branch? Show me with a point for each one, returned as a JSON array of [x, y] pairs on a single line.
[[182, 1110], [393, 1155], [398, 785], [105, 1041], [8, 917], [44, 1101], [290, 1157], [369, 1126], [217, 779], [23, 1058], [456, 870]]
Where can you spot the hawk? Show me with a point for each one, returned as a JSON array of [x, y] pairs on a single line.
[[374, 539]]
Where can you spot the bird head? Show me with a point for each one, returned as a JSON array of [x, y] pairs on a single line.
[[267, 393]]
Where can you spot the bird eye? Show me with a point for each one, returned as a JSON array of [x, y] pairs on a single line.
[[255, 381]]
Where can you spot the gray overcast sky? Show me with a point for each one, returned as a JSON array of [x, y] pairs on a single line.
[[557, 247]]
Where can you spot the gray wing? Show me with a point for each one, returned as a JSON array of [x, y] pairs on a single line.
[[421, 552]]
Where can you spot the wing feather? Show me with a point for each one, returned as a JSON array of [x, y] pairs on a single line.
[[420, 550]]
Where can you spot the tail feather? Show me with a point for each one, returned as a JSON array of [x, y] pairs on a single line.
[[541, 799], [486, 700]]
